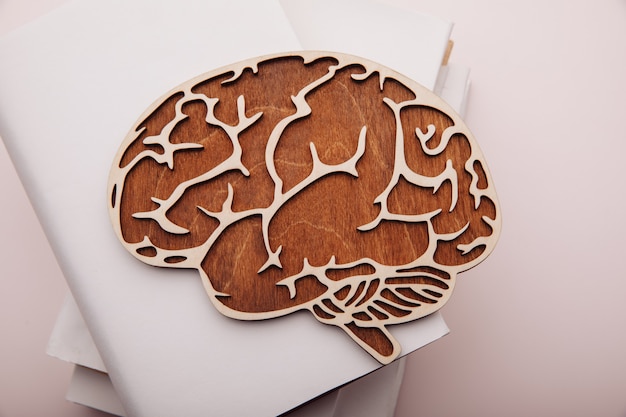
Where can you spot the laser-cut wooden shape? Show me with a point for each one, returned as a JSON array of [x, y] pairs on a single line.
[[310, 180]]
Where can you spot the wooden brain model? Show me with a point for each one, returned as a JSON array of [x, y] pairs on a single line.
[[313, 181]]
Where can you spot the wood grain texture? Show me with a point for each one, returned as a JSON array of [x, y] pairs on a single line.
[[313, 181]]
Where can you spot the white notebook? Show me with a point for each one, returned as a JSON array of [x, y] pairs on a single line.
[[71, 85]]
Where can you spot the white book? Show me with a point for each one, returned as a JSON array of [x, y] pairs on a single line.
[[71, 85], [372, 396]]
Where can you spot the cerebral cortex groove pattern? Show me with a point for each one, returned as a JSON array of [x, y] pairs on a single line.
[[308, 181]]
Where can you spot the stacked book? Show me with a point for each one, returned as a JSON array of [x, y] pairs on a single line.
[[145, 343]]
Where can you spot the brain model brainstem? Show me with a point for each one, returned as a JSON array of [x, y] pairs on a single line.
[[308, 181]]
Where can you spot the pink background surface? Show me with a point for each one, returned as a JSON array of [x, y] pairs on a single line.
[[538, 329]]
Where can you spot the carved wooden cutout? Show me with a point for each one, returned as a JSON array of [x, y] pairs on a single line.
[[311, 180]]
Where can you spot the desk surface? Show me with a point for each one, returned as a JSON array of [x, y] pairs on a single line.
[[535, 330]]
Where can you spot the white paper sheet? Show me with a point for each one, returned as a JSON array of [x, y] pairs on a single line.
[[71, 340], [94, 389], [412, 44]]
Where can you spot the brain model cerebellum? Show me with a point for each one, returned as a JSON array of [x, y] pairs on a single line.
[[312, 181]]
